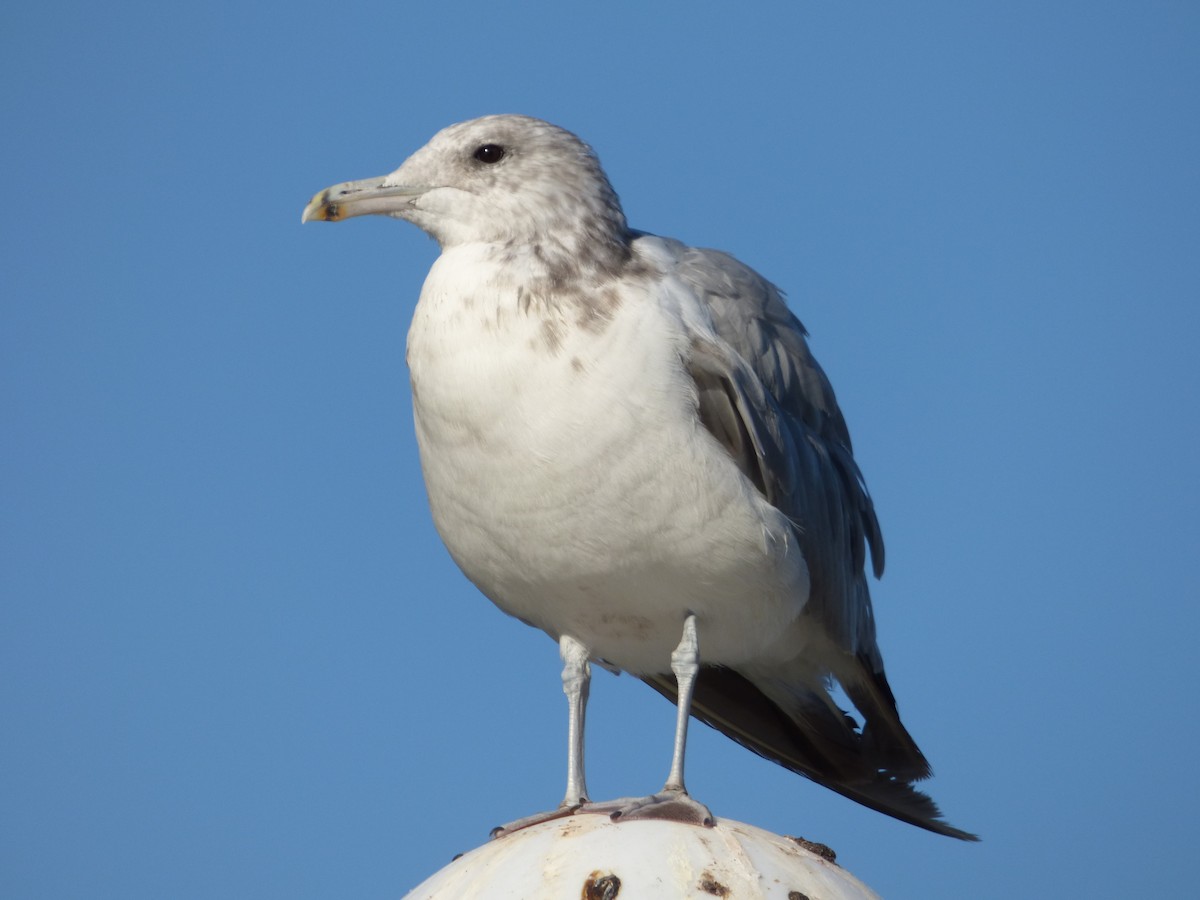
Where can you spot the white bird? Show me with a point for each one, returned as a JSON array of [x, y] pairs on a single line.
[[627, 443]]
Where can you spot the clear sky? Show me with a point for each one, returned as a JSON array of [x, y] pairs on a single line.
[[235, 660]]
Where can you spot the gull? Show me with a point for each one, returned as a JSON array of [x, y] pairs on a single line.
[[628, 444]]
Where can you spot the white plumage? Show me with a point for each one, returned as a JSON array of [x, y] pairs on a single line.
[[574, 484]]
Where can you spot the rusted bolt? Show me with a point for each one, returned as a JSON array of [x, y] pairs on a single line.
[[600, 886]]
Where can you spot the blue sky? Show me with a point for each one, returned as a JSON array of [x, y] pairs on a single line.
[[235, 660]]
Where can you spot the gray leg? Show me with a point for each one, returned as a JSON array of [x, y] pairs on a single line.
[[672, 802], [576, 677], [685, 663]]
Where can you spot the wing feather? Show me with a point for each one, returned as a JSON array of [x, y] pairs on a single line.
[[763, 397], [761, 388]]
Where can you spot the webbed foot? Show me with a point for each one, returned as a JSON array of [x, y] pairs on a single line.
[[671, 805]]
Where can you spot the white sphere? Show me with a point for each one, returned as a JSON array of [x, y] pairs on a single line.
[[591, 857]]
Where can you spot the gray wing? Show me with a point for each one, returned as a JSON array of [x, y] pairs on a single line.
[[788, 435], [764, 398]]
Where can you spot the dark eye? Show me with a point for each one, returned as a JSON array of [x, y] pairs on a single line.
[[490, 153]]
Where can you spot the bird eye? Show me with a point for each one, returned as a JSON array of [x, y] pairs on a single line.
[[490, 153]]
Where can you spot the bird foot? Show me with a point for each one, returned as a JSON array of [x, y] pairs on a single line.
[[566, 809], [667, 805], [670, 805]]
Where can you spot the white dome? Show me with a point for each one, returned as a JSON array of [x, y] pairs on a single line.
[[591, 857]]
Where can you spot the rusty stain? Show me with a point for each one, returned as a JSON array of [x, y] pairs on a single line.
[[710, 885], [796, 895], [822, 850], [601, 887]]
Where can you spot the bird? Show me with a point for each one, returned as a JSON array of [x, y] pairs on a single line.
[[627, 443]]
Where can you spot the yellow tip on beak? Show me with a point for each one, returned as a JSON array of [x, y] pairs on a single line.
[[321, 209], [370, 196]]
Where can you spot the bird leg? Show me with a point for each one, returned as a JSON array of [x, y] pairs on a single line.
[[685, 663], [672, 802], [576, 677]]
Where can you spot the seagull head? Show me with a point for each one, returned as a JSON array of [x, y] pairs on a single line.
[[500, 180]]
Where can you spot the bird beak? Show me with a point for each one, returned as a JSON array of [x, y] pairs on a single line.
[[371, 196]]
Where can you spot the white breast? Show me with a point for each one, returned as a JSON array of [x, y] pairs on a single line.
[[572, 482]]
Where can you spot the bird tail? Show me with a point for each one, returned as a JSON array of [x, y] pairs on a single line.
[[803, 730]]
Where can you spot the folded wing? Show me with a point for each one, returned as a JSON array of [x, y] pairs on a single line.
[[764, 398]]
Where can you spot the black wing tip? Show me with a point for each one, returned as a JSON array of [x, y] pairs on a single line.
[[942, 827], [723, 690], [962, 835], [900, 800]]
